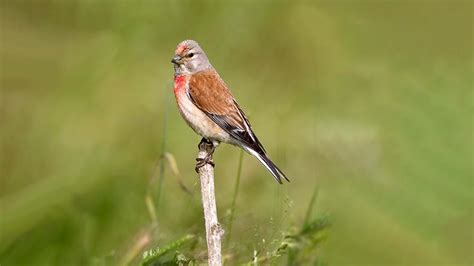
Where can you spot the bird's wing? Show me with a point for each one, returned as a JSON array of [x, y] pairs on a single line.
[[211, 95]]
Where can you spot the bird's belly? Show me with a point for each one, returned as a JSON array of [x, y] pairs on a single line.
[[198, 120]]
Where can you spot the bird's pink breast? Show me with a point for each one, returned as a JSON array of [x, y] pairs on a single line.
[[179, 84]]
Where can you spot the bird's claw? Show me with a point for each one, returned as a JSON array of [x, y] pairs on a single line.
[[203, 161]]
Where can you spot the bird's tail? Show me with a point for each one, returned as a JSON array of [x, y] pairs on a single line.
[[271, 167]]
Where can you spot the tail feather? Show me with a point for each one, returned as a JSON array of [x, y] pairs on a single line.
[[271, 167]]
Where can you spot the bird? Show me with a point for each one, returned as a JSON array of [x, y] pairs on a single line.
[[209, 108]]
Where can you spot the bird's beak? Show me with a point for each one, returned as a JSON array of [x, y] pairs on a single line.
[[177, 60]]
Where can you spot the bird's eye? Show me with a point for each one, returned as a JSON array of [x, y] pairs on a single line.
[[190, 55]]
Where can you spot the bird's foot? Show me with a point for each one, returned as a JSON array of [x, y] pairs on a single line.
[[206, 143], [208, 146], [203, 161]]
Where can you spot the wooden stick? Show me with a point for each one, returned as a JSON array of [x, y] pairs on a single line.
[[214, 231]]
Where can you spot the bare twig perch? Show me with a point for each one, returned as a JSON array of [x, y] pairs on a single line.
[[214, 231]]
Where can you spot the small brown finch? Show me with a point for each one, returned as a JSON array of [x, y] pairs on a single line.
[[209, 108]]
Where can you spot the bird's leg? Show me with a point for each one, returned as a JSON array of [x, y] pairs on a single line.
[[210, 148]]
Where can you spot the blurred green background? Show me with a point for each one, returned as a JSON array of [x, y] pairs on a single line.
[[370, 102]]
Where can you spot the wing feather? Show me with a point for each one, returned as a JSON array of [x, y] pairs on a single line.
[[211, 95]]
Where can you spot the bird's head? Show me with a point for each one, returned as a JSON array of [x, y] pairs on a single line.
[[189, 58]]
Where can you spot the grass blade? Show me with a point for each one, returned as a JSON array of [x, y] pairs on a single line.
[[163, 149], [153, 256], [311, 206], [234, 197]]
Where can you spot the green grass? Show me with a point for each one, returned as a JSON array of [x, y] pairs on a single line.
[[369, 102]]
